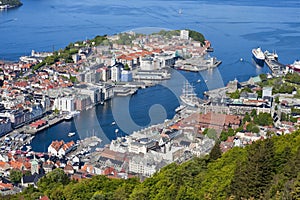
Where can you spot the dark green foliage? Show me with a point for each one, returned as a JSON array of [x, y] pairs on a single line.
[[215, 152], [126, 67], [277, 99], [15, 176], [293, 78], [196, 36], [256, 172], [98, 40], [247, 118], [263, 119], [205, 131], [168, 34], [253, 113], [235, 95], [263, 77], [246, 89], [259, 93], [283, 88], [252, 128], [56, 179], [66, 53], [73, 79], [225, 134]]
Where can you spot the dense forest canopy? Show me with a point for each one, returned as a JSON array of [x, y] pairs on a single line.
[[268, 169]]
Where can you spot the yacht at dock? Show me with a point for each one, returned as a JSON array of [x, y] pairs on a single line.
[[258, 56]]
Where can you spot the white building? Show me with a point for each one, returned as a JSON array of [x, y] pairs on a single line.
[[93, 92], [147, 64], [267, 92], [60, 148], [54, 147], [184, 34], [115, 73], [64, 104], [142, 165]]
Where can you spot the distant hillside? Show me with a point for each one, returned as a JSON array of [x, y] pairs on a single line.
[[192, 34], [268, 169], [11, 3]]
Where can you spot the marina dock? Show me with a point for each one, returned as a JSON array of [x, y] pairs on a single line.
[[271, 60], [276, 67]]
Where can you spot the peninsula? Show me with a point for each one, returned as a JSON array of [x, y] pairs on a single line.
[[5, 4]]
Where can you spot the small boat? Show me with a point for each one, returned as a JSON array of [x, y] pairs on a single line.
[[117, 130], [113, 123], [198, 81], [180, 11], [71, 134], [28, 148], [68, 117], [181, 107]]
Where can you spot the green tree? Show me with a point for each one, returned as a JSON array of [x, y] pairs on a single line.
[[255, 129], [126, 67], [15, 175], [246, 118], [263, 119], [52, 180], [196, 36], [256, 173], [263, 77], [277, 99], [56, 111], [253, 113], [259, 93], [215, 152], [296, 188], [235, 95]]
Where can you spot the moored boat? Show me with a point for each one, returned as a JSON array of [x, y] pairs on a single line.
[[271, 56], [189, 97], [258, 56], [71, 134], [295, 66], [68, 117]]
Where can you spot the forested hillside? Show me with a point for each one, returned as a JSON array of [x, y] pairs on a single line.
[[267, 169]]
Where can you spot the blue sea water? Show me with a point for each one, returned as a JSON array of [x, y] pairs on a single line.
[[233, 27]]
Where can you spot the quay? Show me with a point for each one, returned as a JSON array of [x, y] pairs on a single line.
[[28, 130], [124, 91], [197, 64], [271, 60], [50, 122]]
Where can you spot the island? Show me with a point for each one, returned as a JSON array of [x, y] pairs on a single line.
[[5, 4]]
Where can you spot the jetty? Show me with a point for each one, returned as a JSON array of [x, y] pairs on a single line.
[[196, 64], [271, 59], [50, 122]]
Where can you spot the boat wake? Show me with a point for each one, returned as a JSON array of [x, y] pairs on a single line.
[[8, 21]]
